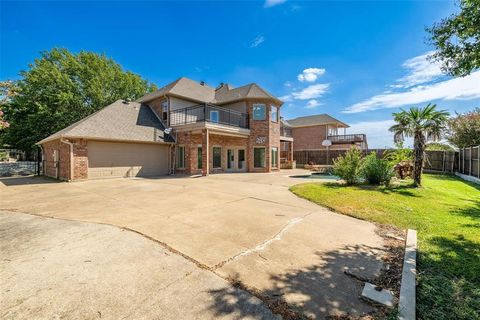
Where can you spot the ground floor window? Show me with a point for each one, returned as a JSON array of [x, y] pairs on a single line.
[[259, 157], [217, 157], [180, 157], [274, 157], [199, 158]]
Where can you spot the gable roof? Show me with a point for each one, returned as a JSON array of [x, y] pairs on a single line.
[[315, 120], [192, 90], [118, 121]]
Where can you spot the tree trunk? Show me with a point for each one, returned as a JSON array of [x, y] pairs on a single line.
[[419, 153]]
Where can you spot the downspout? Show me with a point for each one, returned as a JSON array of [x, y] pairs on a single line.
[[71, 156]]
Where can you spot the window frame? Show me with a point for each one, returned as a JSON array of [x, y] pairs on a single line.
[[264, 111], [177, 158], [218, 116], [276, 113], [199, 157], [264, 165], [274, 163], [213, 157], [164, 106]]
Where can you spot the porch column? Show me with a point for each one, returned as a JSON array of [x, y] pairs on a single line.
[[205, 153], [290, 151]]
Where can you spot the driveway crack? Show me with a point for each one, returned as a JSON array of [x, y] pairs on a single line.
[[263, 245]]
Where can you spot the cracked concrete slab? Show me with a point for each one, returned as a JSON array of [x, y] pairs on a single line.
[[74, 270], [230, 223]]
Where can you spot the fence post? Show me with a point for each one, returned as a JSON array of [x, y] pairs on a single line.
[[470, 163]]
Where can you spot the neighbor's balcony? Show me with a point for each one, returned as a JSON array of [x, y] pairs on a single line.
[[208, 113], [348, 138]]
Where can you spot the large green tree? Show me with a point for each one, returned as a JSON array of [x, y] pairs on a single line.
[[423, 124], [464, 129], [60, 88], [457, 39]]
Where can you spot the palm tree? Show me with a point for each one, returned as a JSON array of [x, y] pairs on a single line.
[[423, 124]]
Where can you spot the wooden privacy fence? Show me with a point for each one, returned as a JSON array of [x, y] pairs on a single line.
[[465, 161], [469, 161], [324, 157]]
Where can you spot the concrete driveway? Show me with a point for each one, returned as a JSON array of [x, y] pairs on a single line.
[[239, 227]]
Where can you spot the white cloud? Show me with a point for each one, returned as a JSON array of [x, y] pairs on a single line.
[[286, 98], [310, 74], [420, 70], [271, 3], [257, 41], [311, 92], [378, 136], [312, 104], [465, 88], [287, 84]]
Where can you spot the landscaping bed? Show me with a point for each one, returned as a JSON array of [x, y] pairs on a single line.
[[446, 214]]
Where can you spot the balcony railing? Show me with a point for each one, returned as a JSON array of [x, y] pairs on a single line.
[[348, 138], [285, 131], [208, 113]]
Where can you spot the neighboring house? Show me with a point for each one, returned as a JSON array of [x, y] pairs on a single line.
[[184, 127], [309, 133]]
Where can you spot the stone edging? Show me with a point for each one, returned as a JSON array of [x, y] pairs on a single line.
[[406, 305]]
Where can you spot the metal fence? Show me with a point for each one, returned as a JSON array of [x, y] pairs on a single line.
[[19, 168]]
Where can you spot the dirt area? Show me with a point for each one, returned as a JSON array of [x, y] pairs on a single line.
[[246, 228]]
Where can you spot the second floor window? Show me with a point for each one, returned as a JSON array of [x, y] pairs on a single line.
[[274, 114], [259, 112], [164, 110], [214, 116]]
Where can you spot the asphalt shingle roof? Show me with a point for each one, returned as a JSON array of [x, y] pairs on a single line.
[[193, 90], [318, 119], [117, 121]]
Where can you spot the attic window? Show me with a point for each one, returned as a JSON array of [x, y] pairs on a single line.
[[259, 112]]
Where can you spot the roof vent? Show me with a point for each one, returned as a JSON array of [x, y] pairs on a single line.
[[202, 83], [220, 86]]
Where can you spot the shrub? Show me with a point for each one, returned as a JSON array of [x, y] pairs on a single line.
[[347, 167], [376, 171]]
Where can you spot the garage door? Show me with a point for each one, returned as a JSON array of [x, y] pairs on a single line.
[[114, 159]]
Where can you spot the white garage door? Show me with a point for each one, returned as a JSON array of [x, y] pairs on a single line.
[[115, 159]]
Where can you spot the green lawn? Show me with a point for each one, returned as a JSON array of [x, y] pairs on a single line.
[[446, 214]]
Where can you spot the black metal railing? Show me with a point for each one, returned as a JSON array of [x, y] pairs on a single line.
[[208, 113], [347, 138], [285, 131]]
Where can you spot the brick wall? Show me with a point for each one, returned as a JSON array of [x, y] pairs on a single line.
[[80, 159], [263, 133], [63, 164], [309, 138]]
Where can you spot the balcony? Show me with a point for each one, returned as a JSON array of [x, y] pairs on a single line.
[[348, 138], [208, 113], [285, 131]]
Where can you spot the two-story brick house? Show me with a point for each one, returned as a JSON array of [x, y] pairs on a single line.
[[184, 127]]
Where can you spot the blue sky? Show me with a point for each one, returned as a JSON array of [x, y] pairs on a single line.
[[358, 61]]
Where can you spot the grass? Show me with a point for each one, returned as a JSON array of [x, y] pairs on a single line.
[[446, 213]]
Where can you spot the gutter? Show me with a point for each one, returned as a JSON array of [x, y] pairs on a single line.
[[71, 156]]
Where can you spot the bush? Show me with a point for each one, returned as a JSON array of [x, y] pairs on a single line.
[[347, 167], [376, 171]]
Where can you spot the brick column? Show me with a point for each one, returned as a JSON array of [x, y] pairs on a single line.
[[205, 153]]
